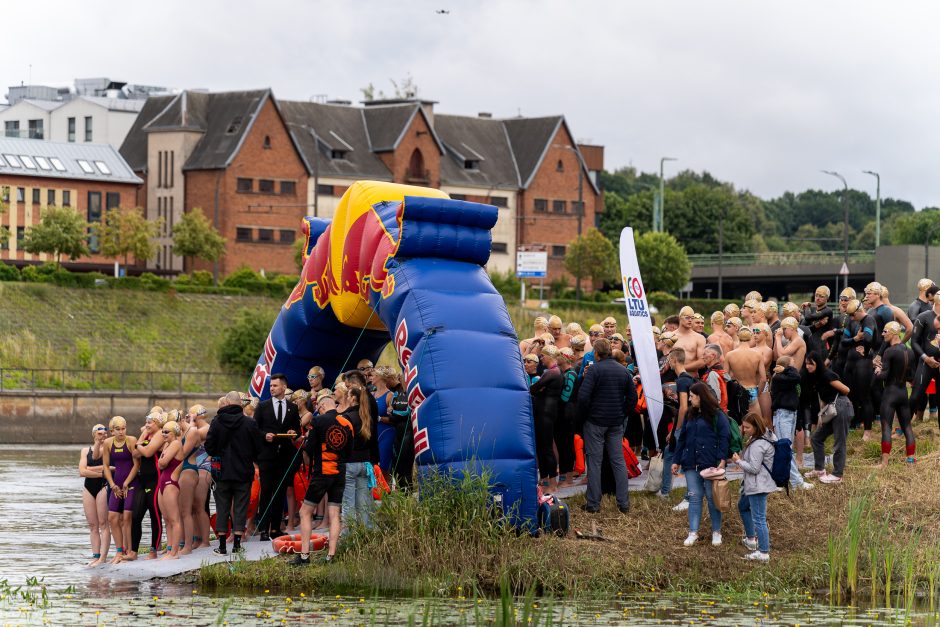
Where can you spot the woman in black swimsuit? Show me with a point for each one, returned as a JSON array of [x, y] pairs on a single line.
[[95, 496]]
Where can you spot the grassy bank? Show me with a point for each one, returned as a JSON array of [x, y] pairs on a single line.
[[874, 535]]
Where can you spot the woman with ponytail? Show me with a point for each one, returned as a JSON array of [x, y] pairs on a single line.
[[357, 497]]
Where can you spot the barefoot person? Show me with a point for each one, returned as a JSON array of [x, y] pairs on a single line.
[[719, 336], [895, 370], [746, 366], [788, 342], [690, 341], [118, 454], [194, 482], [168, 488], [94, 496], [147, 451]]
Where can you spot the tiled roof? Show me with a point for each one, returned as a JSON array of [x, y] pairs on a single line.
[[484, 144], [64, 161]]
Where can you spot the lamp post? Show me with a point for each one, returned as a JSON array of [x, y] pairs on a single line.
[[877, 206], [658, 223], [721, 249], [845, 219]]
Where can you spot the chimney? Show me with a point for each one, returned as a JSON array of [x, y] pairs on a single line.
[[485, 114]]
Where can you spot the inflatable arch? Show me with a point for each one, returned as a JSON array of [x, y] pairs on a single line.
[[405, 264]]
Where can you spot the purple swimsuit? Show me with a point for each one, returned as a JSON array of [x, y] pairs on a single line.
[[123, 461]]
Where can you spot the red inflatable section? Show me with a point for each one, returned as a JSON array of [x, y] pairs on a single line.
[[291, 544]]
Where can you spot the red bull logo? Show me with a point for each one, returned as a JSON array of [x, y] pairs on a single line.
[[415, 394], [263, 370]]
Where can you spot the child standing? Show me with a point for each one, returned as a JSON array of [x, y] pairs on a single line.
[[756, 460]]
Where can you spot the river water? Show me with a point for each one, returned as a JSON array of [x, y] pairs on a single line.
[[44, 543]]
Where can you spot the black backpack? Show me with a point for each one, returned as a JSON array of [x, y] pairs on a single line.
[[739, 401], [399, 410]]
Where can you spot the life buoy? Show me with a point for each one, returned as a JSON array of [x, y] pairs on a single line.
[[579, 454], [291, 544]]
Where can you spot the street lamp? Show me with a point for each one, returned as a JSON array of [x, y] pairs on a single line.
[[658, 223], [845, 218], [877, 206]]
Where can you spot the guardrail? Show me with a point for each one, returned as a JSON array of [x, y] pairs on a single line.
[[781, 258], [117, 381]]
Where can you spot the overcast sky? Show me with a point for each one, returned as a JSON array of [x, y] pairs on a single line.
[[763, 94]]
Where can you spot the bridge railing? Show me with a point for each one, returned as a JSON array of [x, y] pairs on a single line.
[[781, 258], [118, 381]]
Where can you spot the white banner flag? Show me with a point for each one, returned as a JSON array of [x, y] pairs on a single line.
[[641, 328]]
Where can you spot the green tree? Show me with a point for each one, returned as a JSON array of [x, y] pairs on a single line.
[[244, 340], [194, 237], [126, 232], [592, 255], [663, 262], [61, 231], [4, 205], [915, 228], [635, 210]]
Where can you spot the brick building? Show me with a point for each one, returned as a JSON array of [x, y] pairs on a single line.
[[236, 154], [35, 174]]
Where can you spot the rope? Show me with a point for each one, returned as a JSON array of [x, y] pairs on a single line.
[[298, 451]]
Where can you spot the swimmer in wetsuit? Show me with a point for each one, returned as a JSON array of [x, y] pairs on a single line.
[[147, 451], [95, 496], [895, 371], [118, 454], [859, 338], [168, 488]]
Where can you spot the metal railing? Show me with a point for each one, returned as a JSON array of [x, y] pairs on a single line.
[[782, 258], [118, 381]]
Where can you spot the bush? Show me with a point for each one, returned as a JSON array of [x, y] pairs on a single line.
[[150, 281], [34, 274], [9, 273], [506, 284], [244, 340], [197, 278], [243, 277]]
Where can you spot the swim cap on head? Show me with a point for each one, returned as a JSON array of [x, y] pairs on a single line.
[[548, 337], [609, 320], [884, 291], [754, 295], [893, 328], [744, 334], [823, 291], [574, 328], [323, 394], [579, 341], [172, 426], [791, 310], [852, 307], [532, 358], [848, 293], [98, 427], [735, 321], [596, 328], [616, 336], [117, 421], [698, 316], [750, 304], [717, 318], [770, 306], [686, 311], [936, 298], [923, 284], [669, 337], [540, 322], [731, 310], [550, 351], [657, 331], [567, 353], [873, 288], [789, 323]]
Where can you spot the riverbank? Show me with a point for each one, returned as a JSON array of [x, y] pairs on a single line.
[[874, 531]]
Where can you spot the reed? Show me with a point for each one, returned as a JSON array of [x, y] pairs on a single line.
[[888, 556], [854, 531]]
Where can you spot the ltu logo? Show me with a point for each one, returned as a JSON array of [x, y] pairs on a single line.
[[634, 286]]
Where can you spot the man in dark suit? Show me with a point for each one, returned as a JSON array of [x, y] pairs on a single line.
[[276, 417]]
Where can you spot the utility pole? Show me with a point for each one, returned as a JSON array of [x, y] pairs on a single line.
[[658, 223], [877, 207], [721, 249], [845, 219]]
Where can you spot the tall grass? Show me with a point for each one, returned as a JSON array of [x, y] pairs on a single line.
[[856, 527]]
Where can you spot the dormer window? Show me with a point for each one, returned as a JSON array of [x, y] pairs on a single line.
[[267, 142], [234, 126], [471, 164], [337, 153], [560, 167]]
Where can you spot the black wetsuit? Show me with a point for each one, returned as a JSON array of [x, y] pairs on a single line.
[[546, 393], [94, 485], [896, 366], [859, 371], [837, 349], [918, 307], [819, 321], [146, 501], [882, 314], [924, 342]]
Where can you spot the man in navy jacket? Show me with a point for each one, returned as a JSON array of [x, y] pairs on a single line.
[[607, 396]]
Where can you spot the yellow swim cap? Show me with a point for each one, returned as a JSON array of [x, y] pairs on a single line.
[[852, 307], [848, 293], [732, 311], [744, 334], [789, 323], [754, 295], [823, 291], [893, 328]]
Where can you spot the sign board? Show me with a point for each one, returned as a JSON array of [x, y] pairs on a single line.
[[531, 264], [844, 271]]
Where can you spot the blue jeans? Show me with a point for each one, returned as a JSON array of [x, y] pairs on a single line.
[[753, 510], [698, 488], [668, 456], [785, 427], [357, 497]]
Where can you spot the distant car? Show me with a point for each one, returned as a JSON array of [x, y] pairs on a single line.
[[623, 301]]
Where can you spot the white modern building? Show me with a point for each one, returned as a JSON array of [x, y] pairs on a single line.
[[83, 119]]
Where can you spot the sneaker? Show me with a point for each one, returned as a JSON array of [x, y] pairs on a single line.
[[716, 538], [812, 474], [757, 556], [220, 550], [806, 485], [624, 510], [662, 496], [326, 559], [300, 560], [590, 510], [682, 506], [749, 544], [692, 539], [830, 479]]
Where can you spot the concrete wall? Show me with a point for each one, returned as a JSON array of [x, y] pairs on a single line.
[[900, 267], [67, 417]]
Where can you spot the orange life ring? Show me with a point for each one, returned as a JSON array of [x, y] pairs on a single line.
[[291, 544]]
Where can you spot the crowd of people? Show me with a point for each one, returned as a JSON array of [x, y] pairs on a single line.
[[309, 459]]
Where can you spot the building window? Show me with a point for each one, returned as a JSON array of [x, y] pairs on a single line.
[[560, 166], [558, 251], [337, 154], [242, 234], [559, 206], [416, 171], [50, 197], [112, 200], [234, 125], [499, 201], [12, 128], [12, 161], [88, 128], [244, 186], [20, 234], [20, 194], [471, 164], [85, 166], [500, 247], [35, 129], [287, 236], [104, 169], [265, 186], [288, 188], [57, 164], [324, 190], [267, 142], [66, 198], [458, 196], [94, 215], [265, 235], [540, 205], [37, 196], [577, 207], [71, 129], [43, 163], [28, 162]]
